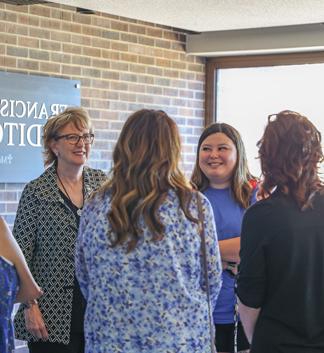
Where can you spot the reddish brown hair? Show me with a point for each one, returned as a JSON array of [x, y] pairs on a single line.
[[290, 152]]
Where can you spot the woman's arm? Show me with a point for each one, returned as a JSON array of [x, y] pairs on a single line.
[[28, 288], [24, 231], [230, 249], [249, 317]]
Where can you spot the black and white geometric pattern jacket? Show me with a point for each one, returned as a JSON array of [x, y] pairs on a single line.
[[46, 230]]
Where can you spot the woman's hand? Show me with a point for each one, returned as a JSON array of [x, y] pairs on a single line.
[[35, 323], [231, 267], [28, 291]]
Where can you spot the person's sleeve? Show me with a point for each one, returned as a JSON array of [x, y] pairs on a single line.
[[103, 177], [81, 269], [25, 226], [214, 263], [251, 283]]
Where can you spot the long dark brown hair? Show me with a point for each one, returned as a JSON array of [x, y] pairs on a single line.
[[290, 152], [146, 160], [240, 184]]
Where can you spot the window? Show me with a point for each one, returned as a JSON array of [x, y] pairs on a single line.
[[247, 90]]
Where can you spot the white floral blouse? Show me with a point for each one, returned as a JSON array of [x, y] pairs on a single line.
[[151, 300]]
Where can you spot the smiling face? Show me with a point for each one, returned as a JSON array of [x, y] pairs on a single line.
[[71, 154], [217, 159]]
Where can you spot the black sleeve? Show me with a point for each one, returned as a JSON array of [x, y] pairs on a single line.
[[25, 226], [251, 283]]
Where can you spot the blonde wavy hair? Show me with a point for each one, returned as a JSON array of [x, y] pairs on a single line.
[[146, 160], [75, 115]]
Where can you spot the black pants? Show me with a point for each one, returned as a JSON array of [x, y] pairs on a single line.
[[76, 345], [225, 338]]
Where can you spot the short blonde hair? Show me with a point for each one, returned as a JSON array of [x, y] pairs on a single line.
[[75, 115]]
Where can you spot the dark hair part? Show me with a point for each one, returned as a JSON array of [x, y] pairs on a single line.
[[290, 152], [240, 183], [75, 115], [146, 160]]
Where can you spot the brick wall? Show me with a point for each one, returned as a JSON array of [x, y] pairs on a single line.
[[123, 65]]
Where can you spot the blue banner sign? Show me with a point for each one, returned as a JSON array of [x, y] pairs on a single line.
[[26, 103]]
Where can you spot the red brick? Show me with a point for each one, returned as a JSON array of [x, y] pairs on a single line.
[[71, 70], [71, 27], [10, 62], [28, 42], [49, 45], [43, 11], [137, 29], [100, 21], [49, 67], [61, 58], [154, 32], [28, 64], [99, 63], [119, 26], [16, 29], [81, 60], [119, 46], [16, 51], [8, 16], [91, 52], [8, 39], [109, 54], [39, 33], [100, 43], [123, 65], [52, 24], [73, 49], [110, 75]]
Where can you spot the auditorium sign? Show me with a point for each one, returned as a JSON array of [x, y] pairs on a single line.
[[26, 103]]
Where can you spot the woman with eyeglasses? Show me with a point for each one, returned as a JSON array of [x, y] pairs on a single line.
[[46, 227], [280, 283]]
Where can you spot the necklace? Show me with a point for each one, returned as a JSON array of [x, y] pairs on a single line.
[[79, 210]]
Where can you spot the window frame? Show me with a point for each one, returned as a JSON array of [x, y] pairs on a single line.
[[215, 63]]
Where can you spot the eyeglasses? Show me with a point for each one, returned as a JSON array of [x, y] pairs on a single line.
[[74, 139]]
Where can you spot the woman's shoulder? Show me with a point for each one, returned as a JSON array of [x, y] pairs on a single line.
[[95, 174], [98, 202], [42, 182]]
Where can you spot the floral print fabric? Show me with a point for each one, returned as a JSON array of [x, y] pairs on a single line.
[[8, 292], [153, 299]]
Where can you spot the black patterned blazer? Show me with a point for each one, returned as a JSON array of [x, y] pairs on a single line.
[[46, 230]]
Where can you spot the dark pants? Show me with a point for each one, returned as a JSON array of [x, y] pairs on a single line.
[[225, 338], [76, 345]]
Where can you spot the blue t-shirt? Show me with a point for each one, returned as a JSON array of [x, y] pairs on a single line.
[[228, 218]]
